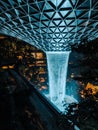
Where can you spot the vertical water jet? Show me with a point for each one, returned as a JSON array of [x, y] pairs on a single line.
[[57, 63]]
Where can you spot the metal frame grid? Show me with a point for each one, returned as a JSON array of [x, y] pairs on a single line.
[[51, 25]]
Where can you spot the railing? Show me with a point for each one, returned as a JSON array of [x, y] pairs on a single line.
[[57, 114], [53, 109]]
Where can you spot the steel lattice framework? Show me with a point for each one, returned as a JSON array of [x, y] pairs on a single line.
[[51, 25]]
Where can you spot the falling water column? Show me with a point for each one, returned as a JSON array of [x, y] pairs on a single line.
[[57, 71]]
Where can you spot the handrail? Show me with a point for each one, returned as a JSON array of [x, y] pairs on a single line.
[[42, 97], [53, 109]]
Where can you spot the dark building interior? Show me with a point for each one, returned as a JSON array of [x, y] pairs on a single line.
[[28, 30]]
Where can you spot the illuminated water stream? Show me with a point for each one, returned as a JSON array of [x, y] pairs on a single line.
[[57, 72]]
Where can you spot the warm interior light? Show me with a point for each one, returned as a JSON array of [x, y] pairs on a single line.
[[20, 57], [90, 89], [4, 67], [11, 66], [39, 55], [2, 37], [94, 88]]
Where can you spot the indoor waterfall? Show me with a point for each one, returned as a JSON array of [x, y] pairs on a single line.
[[57, 63], [57, 71]]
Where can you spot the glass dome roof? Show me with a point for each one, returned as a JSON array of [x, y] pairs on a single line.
[[51, 25]]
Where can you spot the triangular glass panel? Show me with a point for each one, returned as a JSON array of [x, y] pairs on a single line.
[[62, 41], [42, 25], [60, 36], [34, 5], [15, 23], [25, 19], [73, 2], [42, 31], [50, 14], [67, 36], [50, 35], [12, 13], [52, 41], [10, 24], [57, 30], [84, 5], [70, 28], [71, 36], [79, 28], [84, 24], [36, 24], [53, 36], [64, 13], [54, 2], [45, 30], [12, 3], [66, 4], [63, 34], [62, 24], [79, 3], [5, 4], [46, 23], [29, 26], [3, 19], [95, 24], [21, 21], [73, 30], [78, 13], [17, 12], [57, 35], [85, 16], [93, 13], [61, 28], [24, 9], [37, 16], [68, 21], [95, 18], [8, 15], [43, 18], [48, 6], [41, 5], [53, 29], [32, 10], [74, 23], [51, 24], [57, 22], [58, 2], [65, 30], [50, 31], [71, 15], [56, 16], [80, 21], [32, 19]]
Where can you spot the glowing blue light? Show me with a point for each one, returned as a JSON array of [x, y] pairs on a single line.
[[57, 71]]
